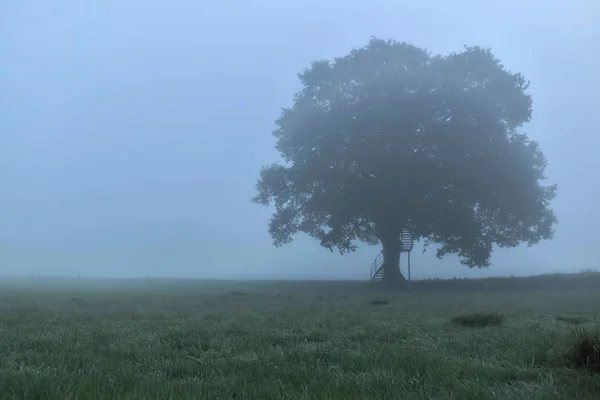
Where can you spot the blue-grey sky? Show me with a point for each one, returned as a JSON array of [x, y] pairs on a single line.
[[132, 132]]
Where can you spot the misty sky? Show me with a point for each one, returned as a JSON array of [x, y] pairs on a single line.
[[132, 132]]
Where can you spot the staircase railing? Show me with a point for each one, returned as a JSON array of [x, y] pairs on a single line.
[[376, 264], [407, 243]]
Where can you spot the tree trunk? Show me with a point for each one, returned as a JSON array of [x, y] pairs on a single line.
[[391, 262]]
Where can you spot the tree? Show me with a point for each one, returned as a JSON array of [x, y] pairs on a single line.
[[390, 136]]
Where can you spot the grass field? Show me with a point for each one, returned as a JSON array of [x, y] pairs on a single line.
[[168, 339]]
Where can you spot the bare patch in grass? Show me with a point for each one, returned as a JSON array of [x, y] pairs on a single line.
[[572, 320], [379, 302], [479, 319]]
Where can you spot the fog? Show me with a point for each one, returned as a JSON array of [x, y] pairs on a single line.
[[132, 132]]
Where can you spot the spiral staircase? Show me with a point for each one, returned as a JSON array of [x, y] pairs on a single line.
[[377, 264]]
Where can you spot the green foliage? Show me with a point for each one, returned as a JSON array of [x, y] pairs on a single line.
[[479, 319], [584, 350], [390, 136]]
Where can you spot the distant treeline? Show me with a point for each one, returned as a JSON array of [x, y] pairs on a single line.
[[585, 280]]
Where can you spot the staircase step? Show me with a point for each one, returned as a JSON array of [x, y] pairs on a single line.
[[378, 275]]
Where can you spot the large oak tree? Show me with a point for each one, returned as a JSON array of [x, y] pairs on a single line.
[[391, 137]]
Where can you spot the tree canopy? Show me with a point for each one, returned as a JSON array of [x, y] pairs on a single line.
[[391, 137]]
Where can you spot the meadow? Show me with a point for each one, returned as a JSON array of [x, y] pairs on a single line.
[[185, 339]]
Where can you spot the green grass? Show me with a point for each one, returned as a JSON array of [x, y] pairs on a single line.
[[168, 339]]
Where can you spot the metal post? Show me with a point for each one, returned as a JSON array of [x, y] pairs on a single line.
[[409, 266]]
